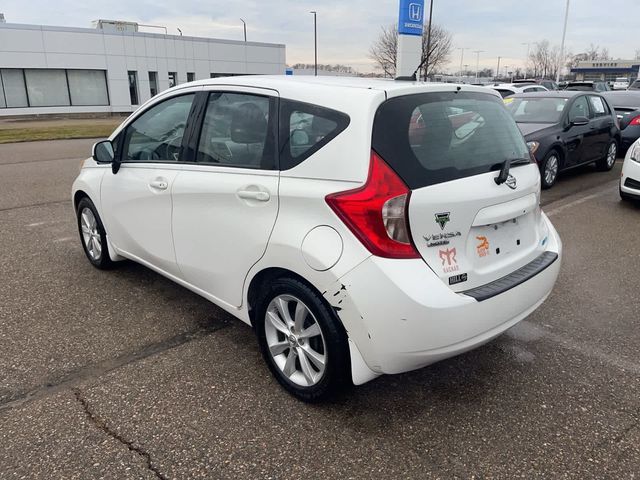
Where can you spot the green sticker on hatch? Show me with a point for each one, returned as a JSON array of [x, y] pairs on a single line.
[[442, 219]]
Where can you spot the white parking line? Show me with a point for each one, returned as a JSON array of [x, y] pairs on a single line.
[[605, 191]]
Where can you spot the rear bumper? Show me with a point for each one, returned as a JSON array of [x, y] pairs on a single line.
[[629, 135], [401, 316]]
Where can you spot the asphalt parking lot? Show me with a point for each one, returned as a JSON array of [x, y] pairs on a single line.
[[124, 374]]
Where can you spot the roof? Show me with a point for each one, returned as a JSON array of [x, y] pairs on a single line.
[[390, 86]]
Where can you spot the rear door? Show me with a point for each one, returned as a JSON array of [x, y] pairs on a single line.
[[468, 229], [225, 200], [600, 124]]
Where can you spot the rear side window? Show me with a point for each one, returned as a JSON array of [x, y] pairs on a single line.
[[431, 138], [306, 128], [598, 107], [236, 131]]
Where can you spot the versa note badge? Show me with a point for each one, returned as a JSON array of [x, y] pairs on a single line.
[[511, 182], [442, 219], [449, 260]]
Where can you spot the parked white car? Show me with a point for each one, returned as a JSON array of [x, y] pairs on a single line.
[[630, 179], [507, 89], [363, 227], [621, 83]]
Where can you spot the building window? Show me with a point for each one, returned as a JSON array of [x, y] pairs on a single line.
[[15, 92], [47, 88], [52, 88], [133, 87], [153, 83], [173, 79], [191, 76], [88, 87]]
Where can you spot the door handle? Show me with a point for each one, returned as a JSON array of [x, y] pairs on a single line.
[[159, 184], [254, 195]]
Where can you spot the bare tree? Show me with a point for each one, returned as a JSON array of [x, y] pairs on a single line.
[[384, 51], [543, 59], [637, 54]]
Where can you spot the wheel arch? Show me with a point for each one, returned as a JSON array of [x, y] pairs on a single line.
[[270, 274]]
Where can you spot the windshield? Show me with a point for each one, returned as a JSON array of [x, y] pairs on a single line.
[[430, 138], [536, 110]]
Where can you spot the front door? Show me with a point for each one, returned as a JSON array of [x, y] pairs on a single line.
[[136, 202], [578, 138], [225, 201]]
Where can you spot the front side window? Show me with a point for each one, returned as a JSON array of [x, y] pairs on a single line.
[[306, 128], [237, 131], [431, 138], [156, 135], [579, 109]]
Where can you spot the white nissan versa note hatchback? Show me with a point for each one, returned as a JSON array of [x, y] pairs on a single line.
[[362, 227]]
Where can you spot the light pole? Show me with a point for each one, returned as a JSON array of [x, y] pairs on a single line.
[[498, 69], [564, 34], [315, 42], [426, 61], [462, 49], [526, 59], [477, 52], [244, 25]]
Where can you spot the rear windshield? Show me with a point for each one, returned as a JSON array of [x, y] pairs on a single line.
[[432, 138], [535, 109]]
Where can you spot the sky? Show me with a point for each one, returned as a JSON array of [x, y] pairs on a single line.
[[347, 28]]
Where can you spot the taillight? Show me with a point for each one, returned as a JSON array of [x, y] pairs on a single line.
[[635, 121], [377, 212]]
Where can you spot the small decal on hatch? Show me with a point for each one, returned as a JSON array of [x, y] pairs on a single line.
[[458, 279], [483, 247], [449, 260], [442, 219]]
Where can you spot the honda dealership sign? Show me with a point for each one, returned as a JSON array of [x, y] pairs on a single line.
[[411, 17]]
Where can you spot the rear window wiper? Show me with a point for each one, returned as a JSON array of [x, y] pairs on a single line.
[[506, 165]]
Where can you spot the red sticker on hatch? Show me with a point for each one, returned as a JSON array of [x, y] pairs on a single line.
[[449, 260]]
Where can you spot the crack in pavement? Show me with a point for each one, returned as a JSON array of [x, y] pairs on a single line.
[[91, 372], [41, 204], [102, 425]]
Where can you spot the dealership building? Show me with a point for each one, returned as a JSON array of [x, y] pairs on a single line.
[[607, 70], [113, 67]]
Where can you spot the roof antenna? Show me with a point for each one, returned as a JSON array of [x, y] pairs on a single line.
[[413, 77]]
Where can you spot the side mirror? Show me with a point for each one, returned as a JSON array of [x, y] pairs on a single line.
[[102, 152], [579, 121]]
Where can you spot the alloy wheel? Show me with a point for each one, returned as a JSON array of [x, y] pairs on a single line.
[[295, 340], [90, 234], [612, 154], [551, 170]]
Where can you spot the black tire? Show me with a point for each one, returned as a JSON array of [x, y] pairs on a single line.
[[101, 261], [548, 179], [605, 164], [336, 375]]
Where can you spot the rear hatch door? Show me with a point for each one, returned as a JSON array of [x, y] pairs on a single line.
[[449, 148]]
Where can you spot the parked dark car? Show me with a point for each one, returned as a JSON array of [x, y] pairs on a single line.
[[566, 129], [626, 103], [588, 86]]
